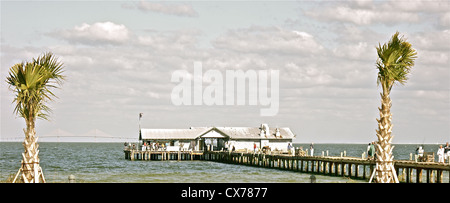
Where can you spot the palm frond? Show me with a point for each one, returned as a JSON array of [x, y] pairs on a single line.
[[395, 60], [32, 83], [54, 66]]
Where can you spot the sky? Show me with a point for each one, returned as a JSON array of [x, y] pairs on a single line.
[[119, 58]]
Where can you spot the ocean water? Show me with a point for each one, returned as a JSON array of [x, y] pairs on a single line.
[[105, 163]]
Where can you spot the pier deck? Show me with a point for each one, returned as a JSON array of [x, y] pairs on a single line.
[[353, 167]]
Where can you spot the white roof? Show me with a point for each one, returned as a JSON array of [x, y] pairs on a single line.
[[230, 132], [254, 133], [171, 134]]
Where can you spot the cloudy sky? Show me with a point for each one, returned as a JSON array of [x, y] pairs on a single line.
[[119, 58]]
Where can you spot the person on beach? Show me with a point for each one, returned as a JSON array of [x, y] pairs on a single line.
[[440, 154], [311, 148]]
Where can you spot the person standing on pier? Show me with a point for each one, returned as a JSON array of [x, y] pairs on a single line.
[[419, 153], [311, 148], [446, 152], [440, 153], [371, 151]]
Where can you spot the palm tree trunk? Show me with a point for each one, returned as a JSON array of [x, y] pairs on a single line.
[[30, 171], [385, 172]]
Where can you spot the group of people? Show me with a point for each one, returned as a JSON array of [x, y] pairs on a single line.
[[299, 150], [154, 146], [443, 153], [230, 147]]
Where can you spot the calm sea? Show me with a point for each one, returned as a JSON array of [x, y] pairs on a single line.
[[104, 162]]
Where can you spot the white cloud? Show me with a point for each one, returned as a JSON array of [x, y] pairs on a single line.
[[384, 12], [445, 19], [363, 16], [432, 48], [153, 95], [265, 40], [433, 57], [417, 6], [356, 51], [432, 40], [166, 8], [170, 40], [99, 32], [306, 76]]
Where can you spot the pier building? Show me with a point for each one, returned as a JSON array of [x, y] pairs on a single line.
[[219, 138]]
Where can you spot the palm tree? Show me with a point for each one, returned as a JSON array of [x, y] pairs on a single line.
[[394, 63], [32, 83]]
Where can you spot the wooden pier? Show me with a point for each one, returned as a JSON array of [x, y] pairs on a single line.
[[358, 168], [352, 167]]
